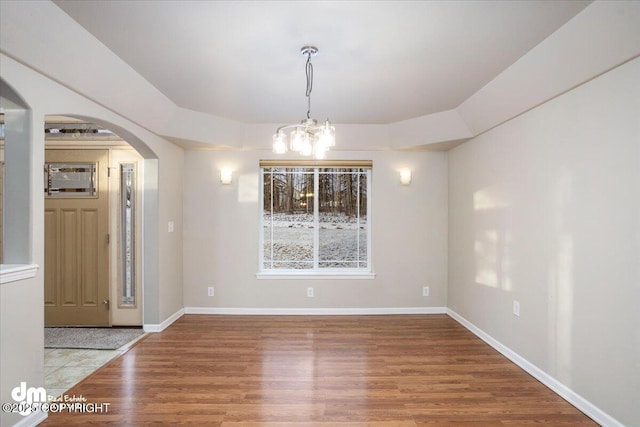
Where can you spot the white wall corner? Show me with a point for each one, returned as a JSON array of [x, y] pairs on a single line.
[[556, 386], [427, 130], [153, 327], [31, 45], [193, 129], [601, 37]]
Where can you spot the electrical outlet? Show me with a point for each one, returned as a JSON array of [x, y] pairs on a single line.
[[170, 227], [210, 291], [425, 291], [310, 292], [516, 308]]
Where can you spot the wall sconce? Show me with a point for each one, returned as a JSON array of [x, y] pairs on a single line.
[[226, 176], [405, 176]]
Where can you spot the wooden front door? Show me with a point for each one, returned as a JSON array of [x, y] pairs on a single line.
[[76, 263]]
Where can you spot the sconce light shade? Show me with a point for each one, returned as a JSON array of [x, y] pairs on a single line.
[[226, 175], [405, 176]]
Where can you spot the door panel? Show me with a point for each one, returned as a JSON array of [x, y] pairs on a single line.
[[76, 241], [51, 257], [69, 257], [89, 264]]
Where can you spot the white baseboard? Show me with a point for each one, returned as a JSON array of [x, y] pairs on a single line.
[[315, 311], [562, 390], [153, 327], [33, 419]]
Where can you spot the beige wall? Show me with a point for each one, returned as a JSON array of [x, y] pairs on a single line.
[[170, 199], [545, 210], [221, 236]]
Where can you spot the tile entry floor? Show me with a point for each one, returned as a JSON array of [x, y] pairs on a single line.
[[65, 367]]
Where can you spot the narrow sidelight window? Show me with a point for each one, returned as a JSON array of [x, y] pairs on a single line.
[[127, 233]]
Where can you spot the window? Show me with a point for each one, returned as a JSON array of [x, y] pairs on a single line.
[[70, 180], [127, 235], [315, 217]]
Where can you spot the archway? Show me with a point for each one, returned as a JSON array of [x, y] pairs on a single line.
[[94, 192]]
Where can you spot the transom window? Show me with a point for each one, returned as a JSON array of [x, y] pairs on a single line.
[[315, 217]]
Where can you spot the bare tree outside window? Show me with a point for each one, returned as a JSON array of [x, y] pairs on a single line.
[[315, 218]]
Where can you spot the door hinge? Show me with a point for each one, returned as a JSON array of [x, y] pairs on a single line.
[[106, 304], [107, 239], [108, 171]]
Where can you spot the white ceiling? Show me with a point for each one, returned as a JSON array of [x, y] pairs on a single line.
[[379, 61]]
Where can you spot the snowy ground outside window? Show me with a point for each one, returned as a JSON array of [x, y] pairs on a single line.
[[288, 241]]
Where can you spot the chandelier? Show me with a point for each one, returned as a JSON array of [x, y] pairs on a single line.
[[308, 137]]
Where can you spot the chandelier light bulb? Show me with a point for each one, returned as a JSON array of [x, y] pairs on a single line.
[[279, 146], [330, 132], [327, 137], [307, 148], [297, 137]]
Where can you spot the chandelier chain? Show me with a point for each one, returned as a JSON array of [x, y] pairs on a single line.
[[309, 69]]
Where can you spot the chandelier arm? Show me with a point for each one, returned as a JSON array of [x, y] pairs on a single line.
[[283, 127], [312, 127]]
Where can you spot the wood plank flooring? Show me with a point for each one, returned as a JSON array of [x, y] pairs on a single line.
[[422, 370]]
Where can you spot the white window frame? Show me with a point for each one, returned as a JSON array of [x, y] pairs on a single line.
[[315, 273]]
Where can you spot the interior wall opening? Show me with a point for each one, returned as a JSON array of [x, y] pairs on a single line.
[[86, 266]]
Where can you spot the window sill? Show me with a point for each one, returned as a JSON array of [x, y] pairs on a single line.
[[299, 275], [14, 272]]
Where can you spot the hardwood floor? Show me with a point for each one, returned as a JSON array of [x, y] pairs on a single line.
[[423, 370]]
